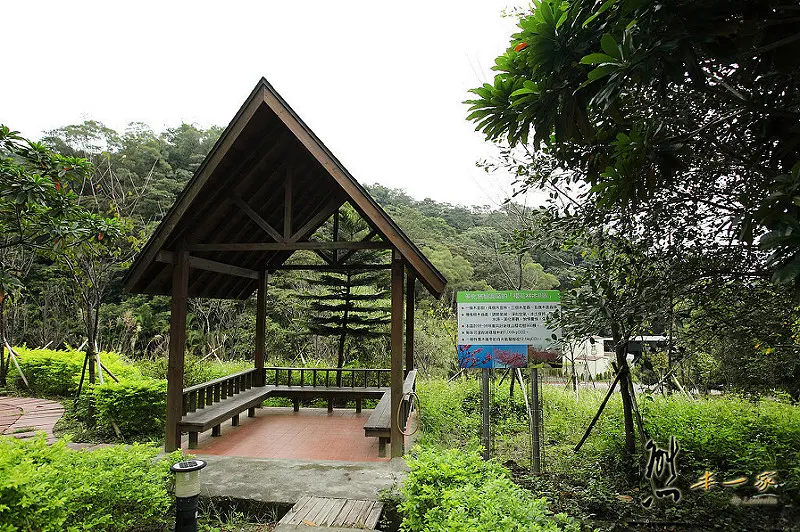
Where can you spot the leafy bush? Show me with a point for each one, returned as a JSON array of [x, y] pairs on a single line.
[[138, 407], [58, 372], [52, 488], [454, 490], [196, 371], [731, 436]]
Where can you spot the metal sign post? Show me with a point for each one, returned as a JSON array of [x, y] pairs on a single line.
[[485, 437], [536, 456]]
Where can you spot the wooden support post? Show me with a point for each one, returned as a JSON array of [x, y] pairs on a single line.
[[410, 300], [261, 326], [358, 406], [192, 440], [287, 205], [216, 431], [251, 412], [235, 421], [177, 348], [296, 404], [330, 404], [397, 352]]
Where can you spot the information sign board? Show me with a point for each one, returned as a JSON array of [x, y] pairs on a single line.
[[506, 328]]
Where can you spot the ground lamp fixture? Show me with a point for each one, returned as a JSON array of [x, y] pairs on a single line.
[[187, 492]]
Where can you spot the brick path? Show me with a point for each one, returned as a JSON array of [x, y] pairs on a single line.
[[311, 434], [23, 417]]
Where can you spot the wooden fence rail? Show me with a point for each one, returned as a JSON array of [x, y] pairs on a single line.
[[206, 394], [339, 377]]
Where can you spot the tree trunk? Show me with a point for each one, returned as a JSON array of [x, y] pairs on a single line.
[[4, 362], [91, 355], [621, 348]]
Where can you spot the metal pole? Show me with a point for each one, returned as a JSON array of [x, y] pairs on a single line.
[[485, 410], [536, 457]]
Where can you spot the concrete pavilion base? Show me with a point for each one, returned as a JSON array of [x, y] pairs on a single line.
[[283, 482]]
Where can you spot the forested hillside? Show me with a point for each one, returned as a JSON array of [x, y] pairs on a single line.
[[138, 173], [137, 176]]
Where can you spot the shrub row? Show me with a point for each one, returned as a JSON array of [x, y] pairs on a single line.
[[137, 404], [137, 407], [58, 372], [52, 488], [729, 436], [454, 490]]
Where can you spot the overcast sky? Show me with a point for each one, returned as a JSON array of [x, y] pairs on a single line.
[[381, 83]]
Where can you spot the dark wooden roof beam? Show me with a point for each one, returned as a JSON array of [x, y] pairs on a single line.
[[322, 214], [261, 222], [335, 268], [198, 263], [288, 246]]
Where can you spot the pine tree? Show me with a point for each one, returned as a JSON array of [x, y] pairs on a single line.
[[353, 303]]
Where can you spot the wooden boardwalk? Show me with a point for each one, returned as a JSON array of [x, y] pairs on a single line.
[[332, 513], [32, 416]]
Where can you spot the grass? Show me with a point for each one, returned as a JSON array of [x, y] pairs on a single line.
[[730, 436]]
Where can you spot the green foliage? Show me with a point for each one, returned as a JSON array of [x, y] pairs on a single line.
[[137, 407], [58, 372], [728, 435], [732, 436], [38, 209], [47, 488], [454, 490]]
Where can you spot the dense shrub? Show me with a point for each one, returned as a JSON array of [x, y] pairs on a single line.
[[47, 488], [731, 436], [138, 407], [58, 372], [196, 371], [454, 490]]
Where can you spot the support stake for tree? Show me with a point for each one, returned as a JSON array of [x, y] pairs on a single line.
[[597, 415], [16, 364]]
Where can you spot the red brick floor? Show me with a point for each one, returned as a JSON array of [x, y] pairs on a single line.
[[35, 415], [310, 434]]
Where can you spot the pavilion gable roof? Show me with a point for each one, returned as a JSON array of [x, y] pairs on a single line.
[[266, 186]]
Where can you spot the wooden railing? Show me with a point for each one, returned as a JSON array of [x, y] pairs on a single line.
[[208, 393], [342, 377]]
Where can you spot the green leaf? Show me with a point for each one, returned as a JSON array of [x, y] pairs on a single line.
[[595, 59], [603, 8], [610, 46]]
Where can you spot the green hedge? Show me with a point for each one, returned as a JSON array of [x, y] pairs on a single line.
[[58, 372], [138, 407], [47, 488], [455, 490], [728, 435]]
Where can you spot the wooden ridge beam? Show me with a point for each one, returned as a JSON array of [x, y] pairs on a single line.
[[288, 246], [333, 267], [198, 263]]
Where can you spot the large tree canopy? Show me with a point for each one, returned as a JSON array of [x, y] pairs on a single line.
[[679, 119]]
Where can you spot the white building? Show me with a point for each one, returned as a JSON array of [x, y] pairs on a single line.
[[594, 355]]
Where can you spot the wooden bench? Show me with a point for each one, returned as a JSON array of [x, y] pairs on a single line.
[[207, 405], [297, 394], [379, 423]]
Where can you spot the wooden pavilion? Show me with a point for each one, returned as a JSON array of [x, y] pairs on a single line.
[[263, 190]]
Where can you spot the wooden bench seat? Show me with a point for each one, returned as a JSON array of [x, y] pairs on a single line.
[[298, 393], [379, 423], [211, 416]]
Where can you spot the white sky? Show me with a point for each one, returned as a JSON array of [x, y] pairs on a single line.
[[381, 83]]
